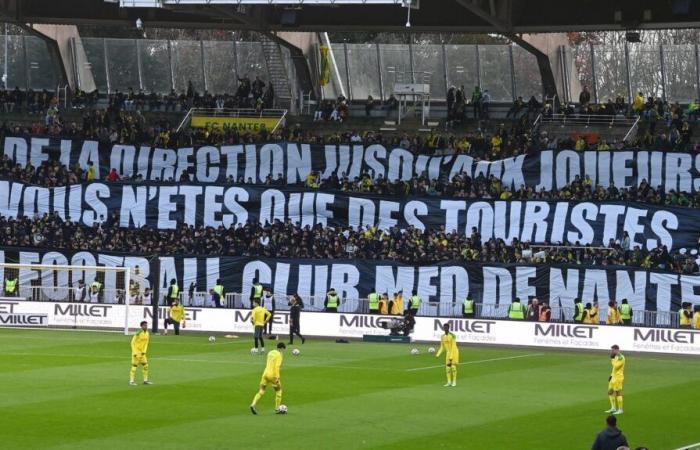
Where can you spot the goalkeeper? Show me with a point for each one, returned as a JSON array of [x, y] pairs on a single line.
[[177, 317]]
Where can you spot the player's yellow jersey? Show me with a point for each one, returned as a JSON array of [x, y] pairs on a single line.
[[259, 316], [139, 342], [177, 313], [618, 367], [448, 344], [274, 363]]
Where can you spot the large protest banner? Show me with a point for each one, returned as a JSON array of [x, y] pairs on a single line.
[[438, 284], [293, 161], [168, 206]]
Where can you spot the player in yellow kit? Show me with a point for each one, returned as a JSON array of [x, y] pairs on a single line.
[[616, 380], [139, 347], [177, 317], [271, 375], [448, 344], [259, 318]]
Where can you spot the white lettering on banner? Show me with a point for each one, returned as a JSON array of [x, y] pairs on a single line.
[[547, 170], [167, 207], [427, 329]]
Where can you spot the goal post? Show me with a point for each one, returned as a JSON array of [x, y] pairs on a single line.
[[74, 284]]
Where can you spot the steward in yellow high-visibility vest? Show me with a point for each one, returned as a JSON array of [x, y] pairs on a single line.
[[373, 302], [219, 289], [578, 311], [332, 301], [256, 292], [696, 318], [414, 303], [468, 307], [625, 312], [173, 292], [10, 287], [516, 311]]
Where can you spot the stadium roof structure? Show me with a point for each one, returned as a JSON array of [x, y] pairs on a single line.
[[444, 16]]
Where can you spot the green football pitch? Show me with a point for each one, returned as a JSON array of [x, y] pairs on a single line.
[[69, 390]]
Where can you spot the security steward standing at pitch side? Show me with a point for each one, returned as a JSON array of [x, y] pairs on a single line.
[[332, 301], [685, 315], [295, 307], [413, 304], [256, 293], [219, 290], [268, 302], [373, 302], [468, 308], [11, 286], [173, 292], [516, 311], [578, 311], [625, 312]]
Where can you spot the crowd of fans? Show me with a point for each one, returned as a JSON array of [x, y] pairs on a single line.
[[123, 122], [289, 240]]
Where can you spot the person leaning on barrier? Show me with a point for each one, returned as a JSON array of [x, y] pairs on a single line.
[[533, 310], [332, 301], [468, 308], [685, 315], [215, 298], [578, 311], [80, 292], [384, 304], [625, 310], [590, 314], [516, 311], [95, 289], [396, 304], [613, 317]]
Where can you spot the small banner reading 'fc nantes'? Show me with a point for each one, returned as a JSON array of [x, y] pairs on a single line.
[[244, 124]]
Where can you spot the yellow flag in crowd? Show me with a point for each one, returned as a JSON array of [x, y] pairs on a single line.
[[325, 66]]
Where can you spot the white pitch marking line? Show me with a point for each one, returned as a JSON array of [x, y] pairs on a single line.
[[690, 447], [478, 361]]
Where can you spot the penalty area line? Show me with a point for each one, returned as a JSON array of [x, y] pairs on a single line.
[[480, 361], [690, 447]]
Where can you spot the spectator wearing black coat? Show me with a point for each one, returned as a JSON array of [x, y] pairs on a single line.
[[611, 437]]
